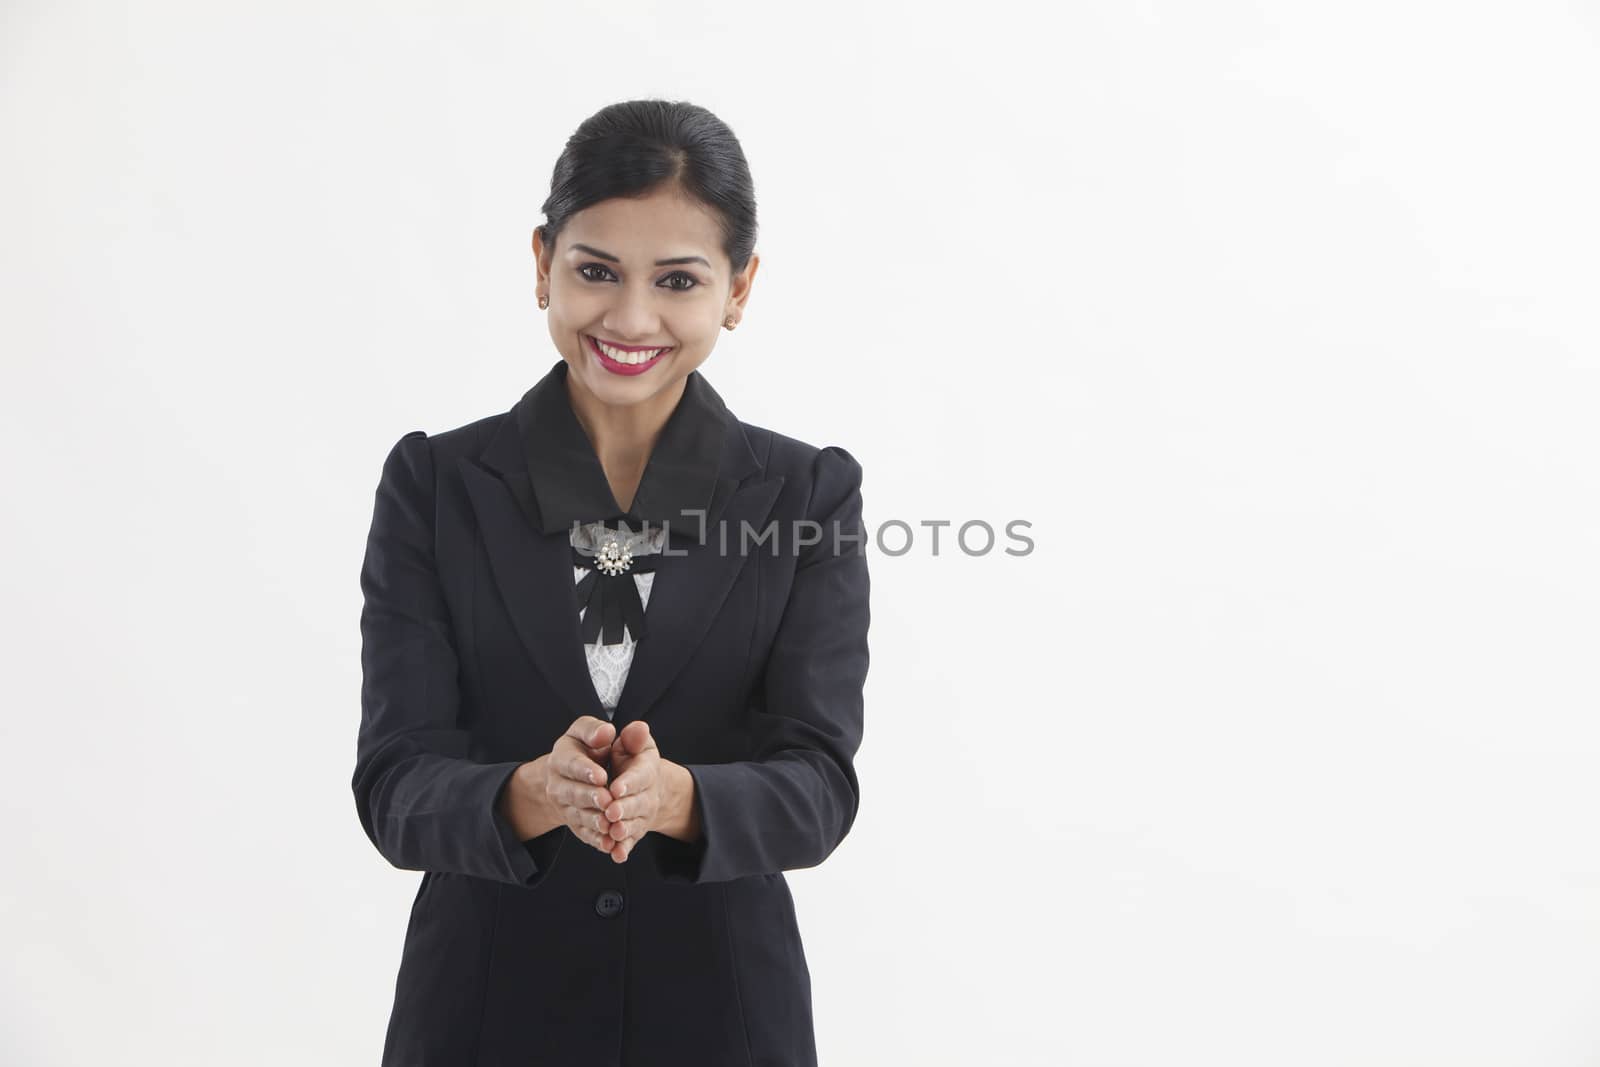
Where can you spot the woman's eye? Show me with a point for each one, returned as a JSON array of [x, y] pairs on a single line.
[[685, 277]]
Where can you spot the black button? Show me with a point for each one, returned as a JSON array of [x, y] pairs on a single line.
[[608, 905]]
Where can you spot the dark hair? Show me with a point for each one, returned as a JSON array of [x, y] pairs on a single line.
[[635, 147]]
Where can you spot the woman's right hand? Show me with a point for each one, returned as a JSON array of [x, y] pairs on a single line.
[[566, 786], [576, 777]]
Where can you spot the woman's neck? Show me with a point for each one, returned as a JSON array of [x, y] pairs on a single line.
[[623, 436]]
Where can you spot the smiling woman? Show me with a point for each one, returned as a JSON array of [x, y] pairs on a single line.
[[603, 735], [656, 253]]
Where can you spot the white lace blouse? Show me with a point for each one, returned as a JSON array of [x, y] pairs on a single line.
[[608, 664]]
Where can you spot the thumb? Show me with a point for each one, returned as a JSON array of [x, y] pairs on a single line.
[[635, 737]]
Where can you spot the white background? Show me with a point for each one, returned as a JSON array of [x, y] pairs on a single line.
[[1276, 320]]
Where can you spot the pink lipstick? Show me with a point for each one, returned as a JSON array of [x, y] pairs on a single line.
[[623, 368]]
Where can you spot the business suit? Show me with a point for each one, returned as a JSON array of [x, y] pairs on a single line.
[[751, 676]]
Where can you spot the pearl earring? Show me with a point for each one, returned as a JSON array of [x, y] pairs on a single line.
[[728, 322], [544, 302]]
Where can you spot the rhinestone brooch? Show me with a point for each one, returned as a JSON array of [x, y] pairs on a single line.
[[613, 558]]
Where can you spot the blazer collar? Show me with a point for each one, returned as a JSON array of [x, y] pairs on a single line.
[[699, 459]]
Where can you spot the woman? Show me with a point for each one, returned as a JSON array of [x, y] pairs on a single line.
[[614, 643]]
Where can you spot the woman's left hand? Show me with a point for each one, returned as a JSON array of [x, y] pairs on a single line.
[[637, 783]]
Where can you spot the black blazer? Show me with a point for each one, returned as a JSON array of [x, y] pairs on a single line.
[[751, 674]]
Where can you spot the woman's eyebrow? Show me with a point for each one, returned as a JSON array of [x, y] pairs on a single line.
[[588, 250]]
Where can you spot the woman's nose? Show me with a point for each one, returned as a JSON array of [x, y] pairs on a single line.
[[634, 315]]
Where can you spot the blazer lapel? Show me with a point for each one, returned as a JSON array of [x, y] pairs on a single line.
[[689, 590], [533, 571]]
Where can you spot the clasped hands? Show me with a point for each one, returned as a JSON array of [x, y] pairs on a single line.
[[609, 788]]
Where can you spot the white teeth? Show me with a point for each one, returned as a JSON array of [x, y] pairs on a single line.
[[631, 358]]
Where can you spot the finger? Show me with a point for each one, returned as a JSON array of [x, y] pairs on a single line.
[[639, 777], [579, 768], [574, 795], [570, 761], [636, 806], [619, 850], [591, 732], [627, 828], [590, 820], [636, 738], [593, 838]]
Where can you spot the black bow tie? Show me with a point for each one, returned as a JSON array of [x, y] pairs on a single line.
[[610, 595]]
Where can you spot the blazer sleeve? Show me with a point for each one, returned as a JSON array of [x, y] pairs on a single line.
[[423, 803], [792, 804]]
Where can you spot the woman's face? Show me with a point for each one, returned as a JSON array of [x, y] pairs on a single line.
[[608, 286]]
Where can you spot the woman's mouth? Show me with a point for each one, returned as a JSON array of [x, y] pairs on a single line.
[[624, 361]]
